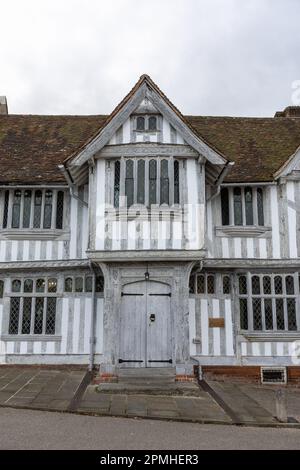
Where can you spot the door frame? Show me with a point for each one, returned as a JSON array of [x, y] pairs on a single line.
[[171, 320]]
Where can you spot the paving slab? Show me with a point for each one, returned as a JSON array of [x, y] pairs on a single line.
[[183, 408], [37, 388], [246, 409]]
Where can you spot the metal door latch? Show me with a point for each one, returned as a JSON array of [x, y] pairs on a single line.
[[152, 317]]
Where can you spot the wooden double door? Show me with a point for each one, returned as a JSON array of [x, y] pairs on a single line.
[[145, 325]]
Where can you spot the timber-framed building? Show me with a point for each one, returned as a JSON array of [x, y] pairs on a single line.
[[150, 239]]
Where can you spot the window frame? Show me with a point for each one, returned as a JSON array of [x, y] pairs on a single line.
[[261, 297], [29, 223], [35, 294], [119, 190], [258, 213]]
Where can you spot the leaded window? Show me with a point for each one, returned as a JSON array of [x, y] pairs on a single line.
[[33, 306], [242, 206], [146, 181], [117, 184], [29, 208], [164, 182], [205, 283], [226, 285], [268, 302], [81, 284]]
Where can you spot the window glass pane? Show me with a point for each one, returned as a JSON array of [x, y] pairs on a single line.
[[248, 206], [267, 284], [291, 313], [278, 284], [152, 123], [129, 186], [176, 182], [260, 207], [289, 284], [27, 208], [68, 284], [200, 284], [26, 319], [48, 209], [257, 320], [88, 284], [15, 223], [50, 316], [38, 317], [1, 289], [192, 284], [37, 209], [237, 202], [210, 284], [140, 123], [28, 285], [279, 314], [78, 284], [13, 327], [243, 314], [268, 314], [5, 209], [52, 284], [242, 285], [255, 285], [152, 181], [141, 182], [59, 210], [40, 285], [226, 285], [99, 284], [164, 182], [117, 184], [16, 285], [225, 206]]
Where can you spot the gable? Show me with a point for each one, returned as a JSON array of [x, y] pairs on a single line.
[[163, 133], [145, 89]]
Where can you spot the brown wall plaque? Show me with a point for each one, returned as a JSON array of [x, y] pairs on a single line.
[[216, 322]]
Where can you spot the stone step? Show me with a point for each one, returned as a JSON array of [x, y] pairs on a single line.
[[148, 372], [178, 388]]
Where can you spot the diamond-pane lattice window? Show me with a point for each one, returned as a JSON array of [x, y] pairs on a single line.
[[50, 316], [26, 318], [244, 314], [242, 285], [39, 314], [201, 284], [257, 320], [289, 285], [273, 305], [268, 314], [226, 285], [13, 328], [291, 314]]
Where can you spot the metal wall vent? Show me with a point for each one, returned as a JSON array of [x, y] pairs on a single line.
[[273, 375]]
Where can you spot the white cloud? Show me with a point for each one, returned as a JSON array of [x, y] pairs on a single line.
[[209, 56]]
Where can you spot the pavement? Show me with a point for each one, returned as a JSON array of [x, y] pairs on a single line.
[[38, 388], [214, 402], [31, 430]]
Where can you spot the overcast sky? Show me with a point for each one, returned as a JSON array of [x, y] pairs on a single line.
[[211, 57]]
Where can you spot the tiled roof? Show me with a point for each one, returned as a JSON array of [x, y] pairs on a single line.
[[258, 146], [31, 147]]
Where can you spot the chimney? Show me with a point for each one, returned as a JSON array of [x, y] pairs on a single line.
[[290, 111], [3, 105]]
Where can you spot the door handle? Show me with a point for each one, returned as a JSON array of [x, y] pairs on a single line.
[[152, 317]]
